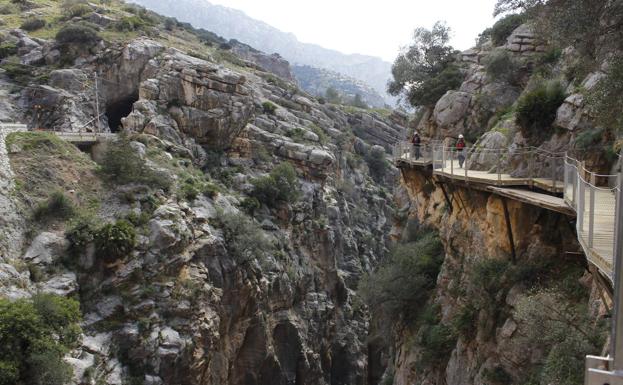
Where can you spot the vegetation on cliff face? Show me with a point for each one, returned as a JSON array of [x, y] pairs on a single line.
[[426, 70], [35, 334], [231, 217]]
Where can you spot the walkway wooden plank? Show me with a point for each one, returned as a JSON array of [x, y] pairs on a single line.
[[534, 198]]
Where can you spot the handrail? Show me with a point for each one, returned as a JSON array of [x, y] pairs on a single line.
[[589, 194]]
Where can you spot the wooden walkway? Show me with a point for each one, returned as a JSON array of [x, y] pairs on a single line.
[[593, 206], [452, 169], [84, 138]]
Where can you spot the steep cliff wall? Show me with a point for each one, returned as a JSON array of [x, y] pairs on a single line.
[[482, 294], [219, 285]]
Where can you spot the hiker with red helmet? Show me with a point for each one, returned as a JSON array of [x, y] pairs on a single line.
[[460, 149]]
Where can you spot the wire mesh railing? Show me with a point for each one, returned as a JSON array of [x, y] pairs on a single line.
[[593, 197], [414, 154], [525, 166]]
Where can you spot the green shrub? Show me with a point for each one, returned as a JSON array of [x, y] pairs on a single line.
[[498, 376], [129, 24], [123, 165], [436, 343], [564, 329], [7, 49], [491, 274], [377, 163], [115, 240], [504, 27], [434, 87], [77, 10], [401, 285], [34, 336], [7, 9], [536, 109], [323, 138], [57, 206], [80, 233], [211, 190], [606, 99], [500, 65], [16, 72], [33, 24], [244, 238], [465, 321], [589, 138], [269, 108], [281, 185], [78, 34], [250, 205]]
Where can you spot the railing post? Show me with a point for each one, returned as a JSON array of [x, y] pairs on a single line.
[[591, 216], [617, 327], [553, 171], [575, 187], [465, 166], [443, 157], [451, 161], [581, 201], [499, 155]]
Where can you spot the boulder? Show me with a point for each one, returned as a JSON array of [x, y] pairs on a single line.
[[450, 111], [63, 285], [46, 248]]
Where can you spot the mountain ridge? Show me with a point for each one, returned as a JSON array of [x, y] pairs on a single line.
[[235, 24]]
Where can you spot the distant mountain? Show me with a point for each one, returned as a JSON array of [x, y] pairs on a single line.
[[235, 24], [316, 81]]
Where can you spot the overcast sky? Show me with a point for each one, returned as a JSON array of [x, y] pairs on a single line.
[[370, 27]]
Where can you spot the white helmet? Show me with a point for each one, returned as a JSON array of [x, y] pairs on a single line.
[[460, 136]]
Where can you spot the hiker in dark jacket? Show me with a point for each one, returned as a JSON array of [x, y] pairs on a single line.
[[417, 143], [460, 149]]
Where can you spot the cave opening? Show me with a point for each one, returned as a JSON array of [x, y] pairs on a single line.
[[118, 110]]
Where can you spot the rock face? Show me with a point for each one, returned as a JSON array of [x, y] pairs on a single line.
[[183, 307], [471, 233], [208, 103], [273, 63]]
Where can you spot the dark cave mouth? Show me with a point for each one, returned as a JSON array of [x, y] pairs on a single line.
[[118, 110]]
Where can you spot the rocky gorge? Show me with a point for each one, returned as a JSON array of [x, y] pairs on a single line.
[[217, 286], [226, 227]]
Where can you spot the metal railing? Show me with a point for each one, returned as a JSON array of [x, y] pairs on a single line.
[[409, 153], [526, 166], [593, 197]]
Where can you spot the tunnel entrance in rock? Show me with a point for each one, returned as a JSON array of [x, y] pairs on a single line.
[[118, 110]]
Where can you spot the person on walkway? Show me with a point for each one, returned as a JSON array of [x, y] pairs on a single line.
[[460, 150], [417, 143]]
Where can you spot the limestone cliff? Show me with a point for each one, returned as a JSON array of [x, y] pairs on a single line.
[[218, 288]]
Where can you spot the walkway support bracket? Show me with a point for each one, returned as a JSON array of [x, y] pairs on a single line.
[[509, 230]]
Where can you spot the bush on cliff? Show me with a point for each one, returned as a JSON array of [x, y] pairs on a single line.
[[563, 328], [281, 185], [606, 98], [377, 163], [504, 27], [501, 66], [57, 206], [244, 239], [35, 334], [536, 109], [33, 24], [115, 240], [79, 34], [400, 286], [122, 164]]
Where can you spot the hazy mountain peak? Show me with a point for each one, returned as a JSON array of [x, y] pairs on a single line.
[[235, 24]]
